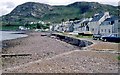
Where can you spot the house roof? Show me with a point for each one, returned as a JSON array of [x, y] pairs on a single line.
[[97, 17], [111, 18], [109, 21], [76, 22], [85, 21]]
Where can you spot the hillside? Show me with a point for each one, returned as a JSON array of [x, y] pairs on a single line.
[[32, 11]]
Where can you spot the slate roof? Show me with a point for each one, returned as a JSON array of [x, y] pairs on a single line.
[[111, 18], [97, 17], [108, 20], [77, 22], [86, 22]]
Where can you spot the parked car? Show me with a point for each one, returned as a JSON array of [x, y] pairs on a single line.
[[96, 36], [111, 38]]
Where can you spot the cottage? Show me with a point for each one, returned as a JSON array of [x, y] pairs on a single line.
[[23, 28], [68, 26], [109, 26], [77, 25], [83, 25], [96, 21]]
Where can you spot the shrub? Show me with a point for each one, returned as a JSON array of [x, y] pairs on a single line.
[[118, 57]]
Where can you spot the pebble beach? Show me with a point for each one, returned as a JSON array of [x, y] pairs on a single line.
[[50, 55]]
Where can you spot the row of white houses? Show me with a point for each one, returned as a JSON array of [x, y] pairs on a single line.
[[101, 23]]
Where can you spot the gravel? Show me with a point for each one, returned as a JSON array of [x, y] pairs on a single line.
[[40, 47], [50, 55]]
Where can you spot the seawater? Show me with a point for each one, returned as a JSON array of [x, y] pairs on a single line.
[[8, 35]]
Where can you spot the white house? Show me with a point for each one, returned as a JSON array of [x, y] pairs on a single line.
[[117, 25], [54, 27], [77, 25], [68, 26], [109, 26], [23, 28], [82, 26], [96, 21]]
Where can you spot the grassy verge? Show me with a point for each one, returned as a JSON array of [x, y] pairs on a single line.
[[9, 27], [80, 36], [118, 57]]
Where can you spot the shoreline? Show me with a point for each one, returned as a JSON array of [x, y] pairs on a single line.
[[27, 44], [6, 43], [13, 35]]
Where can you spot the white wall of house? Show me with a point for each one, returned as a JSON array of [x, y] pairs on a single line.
[[68, 26], [109, 29], [76, 26], [94, 27], [117, 26], [106, 29]]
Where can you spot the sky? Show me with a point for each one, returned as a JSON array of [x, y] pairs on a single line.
[[6, 6]]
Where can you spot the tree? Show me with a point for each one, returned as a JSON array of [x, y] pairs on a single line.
[[76, 18], [39, 26], [26, 24], [63, 20]]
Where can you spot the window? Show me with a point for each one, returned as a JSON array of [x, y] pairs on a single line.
[[109, 31], [96, 29], [101, 30], [112, 22], [92, 29], [105, 30], [118, 20]]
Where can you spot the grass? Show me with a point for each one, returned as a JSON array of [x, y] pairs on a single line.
[[80, 36], [118, 57], [9, 27]]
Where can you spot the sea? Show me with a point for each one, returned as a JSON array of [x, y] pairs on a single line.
[[8, 35]]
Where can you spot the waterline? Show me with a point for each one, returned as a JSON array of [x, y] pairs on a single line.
[[8, 35]]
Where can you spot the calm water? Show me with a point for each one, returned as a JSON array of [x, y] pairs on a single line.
[[7, 35]]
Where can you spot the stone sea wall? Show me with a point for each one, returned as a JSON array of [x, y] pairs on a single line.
[[72, 40]]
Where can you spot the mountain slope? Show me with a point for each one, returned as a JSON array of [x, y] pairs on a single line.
[[32, 11]]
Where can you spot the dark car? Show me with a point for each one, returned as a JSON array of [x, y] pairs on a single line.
[[96, 36], [111, 38]]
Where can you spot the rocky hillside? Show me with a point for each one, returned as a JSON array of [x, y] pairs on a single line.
[[32, 11]]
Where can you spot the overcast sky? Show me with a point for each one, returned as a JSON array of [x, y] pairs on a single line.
[[7, 6]]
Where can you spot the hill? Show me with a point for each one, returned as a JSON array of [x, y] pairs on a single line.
[[32, 11]]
